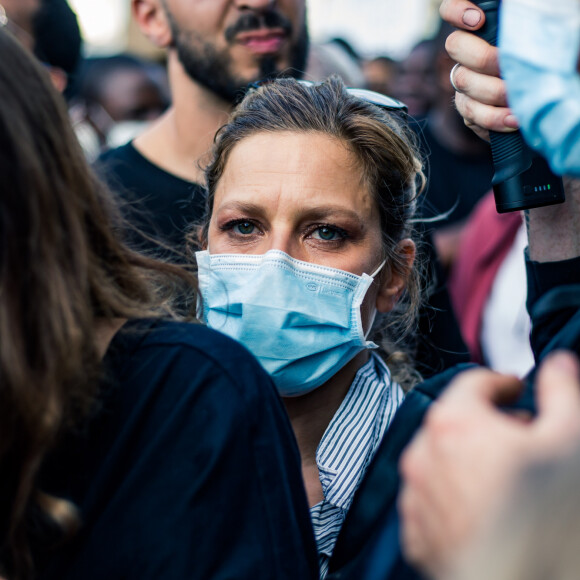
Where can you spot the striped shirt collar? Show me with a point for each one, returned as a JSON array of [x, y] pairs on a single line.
[[351, 438], [348, 445]]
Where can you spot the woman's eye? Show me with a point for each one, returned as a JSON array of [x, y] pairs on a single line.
[[327, 233], [244, 228]]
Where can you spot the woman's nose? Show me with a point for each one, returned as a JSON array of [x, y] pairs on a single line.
[[286, 243]]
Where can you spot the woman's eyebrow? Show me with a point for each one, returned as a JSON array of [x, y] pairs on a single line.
[[242, 206], [314, 212], [328, 211]]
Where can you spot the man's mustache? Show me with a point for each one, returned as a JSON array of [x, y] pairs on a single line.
[[253, 21]]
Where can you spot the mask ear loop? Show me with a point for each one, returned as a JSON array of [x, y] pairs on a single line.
[[379, 268]]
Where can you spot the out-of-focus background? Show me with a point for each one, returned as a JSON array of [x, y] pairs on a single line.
[[372, 27], [395, 47]]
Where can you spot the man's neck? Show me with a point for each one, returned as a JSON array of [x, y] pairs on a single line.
[[181, 140]]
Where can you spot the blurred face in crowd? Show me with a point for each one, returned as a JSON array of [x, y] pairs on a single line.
[[128, 99], [20, 15], [415, 82], [226, 44], [130, 95], [379, 74]]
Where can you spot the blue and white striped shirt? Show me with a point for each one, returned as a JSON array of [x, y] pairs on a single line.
[[347, 447]]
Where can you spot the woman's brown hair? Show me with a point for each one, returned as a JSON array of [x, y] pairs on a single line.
[[62, 270], [384, 147]]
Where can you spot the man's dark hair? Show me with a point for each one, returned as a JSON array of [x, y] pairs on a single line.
[[57, 35]]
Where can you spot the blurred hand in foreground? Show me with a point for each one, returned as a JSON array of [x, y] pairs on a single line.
[[462, 462]]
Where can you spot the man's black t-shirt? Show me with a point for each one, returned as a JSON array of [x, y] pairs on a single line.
[[157, 203]]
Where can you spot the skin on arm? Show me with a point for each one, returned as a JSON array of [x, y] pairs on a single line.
[[460, 465], [554, 231]]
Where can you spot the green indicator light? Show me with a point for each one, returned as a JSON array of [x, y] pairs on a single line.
[[549, 187]]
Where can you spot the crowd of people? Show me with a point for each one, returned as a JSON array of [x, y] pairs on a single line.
[[218, 282]]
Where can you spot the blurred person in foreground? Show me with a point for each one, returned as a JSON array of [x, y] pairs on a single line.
[[477, 448], [535, 532], [462, 471], [124, 431]]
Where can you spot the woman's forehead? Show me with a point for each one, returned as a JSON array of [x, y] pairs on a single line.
[[307, 168]]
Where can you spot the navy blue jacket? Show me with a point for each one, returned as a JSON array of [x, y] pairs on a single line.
[[368, 547], [188, 469]]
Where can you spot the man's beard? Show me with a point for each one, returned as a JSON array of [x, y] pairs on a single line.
[[214, 69]]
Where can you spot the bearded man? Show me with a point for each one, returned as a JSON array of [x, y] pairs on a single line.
[[215, 49]]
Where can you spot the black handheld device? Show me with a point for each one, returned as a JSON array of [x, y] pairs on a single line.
[[522, 178]]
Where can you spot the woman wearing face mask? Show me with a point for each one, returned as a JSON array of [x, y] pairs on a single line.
[[311, 192], [128, 449]]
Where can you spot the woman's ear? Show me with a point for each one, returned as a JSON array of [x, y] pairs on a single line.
[[153, 22], [392, 286]]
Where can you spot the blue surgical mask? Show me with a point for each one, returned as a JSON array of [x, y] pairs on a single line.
[[539, 43], [302, 321]]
